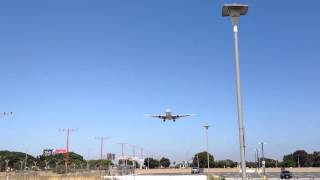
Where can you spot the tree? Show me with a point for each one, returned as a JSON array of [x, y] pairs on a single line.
[[165, 162], [316, 159], [225, 164], [56, 161], [203, 160], [95, 164], [14, 159], [288, 161], [151, 163], [301, 158]]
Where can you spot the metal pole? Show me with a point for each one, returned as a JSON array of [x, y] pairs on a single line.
[[239, 99], [142, 160], [263, 160], [198, 160], [68, 130], [122, 153], [207, 150], [255, 157], [133, 156], [258, 159], [101, 155], [207, 147], [67, 155]]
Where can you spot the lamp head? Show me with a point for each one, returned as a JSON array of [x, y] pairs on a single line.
[[234, 10]]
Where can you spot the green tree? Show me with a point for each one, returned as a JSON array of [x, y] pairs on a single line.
[[15, 159], [203, 160], [75, 161], [225, 164], [316, 159], [95, 164], [288, 161], [301, 157], [165, 162], [153, 163]]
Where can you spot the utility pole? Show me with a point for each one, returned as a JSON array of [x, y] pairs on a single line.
[[207, 127], [263, 160], [258, 159], [255, 157], [102, 139], [198, 160], [142, 159], [67, 131], [133, 155], [122, 152]]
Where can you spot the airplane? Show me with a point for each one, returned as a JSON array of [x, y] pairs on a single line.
[[169, 116], [2, 114]]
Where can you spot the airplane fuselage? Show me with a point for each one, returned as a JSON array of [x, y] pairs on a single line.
[[169, 116]]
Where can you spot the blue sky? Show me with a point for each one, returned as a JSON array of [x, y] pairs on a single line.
[[99, 66]]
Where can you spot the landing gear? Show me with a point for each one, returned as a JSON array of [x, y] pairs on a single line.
[[164, 120], [174, 120]]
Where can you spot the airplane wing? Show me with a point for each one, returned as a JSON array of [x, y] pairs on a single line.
[[181, 116], [159, 116]]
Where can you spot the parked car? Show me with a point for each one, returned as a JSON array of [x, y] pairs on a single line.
[[285, 175], [195, 170]]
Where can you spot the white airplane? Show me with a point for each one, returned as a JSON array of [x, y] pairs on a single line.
[[169, 116]]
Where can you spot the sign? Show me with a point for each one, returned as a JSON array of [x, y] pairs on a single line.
[[47, 152], [263, 162], [60, 151]]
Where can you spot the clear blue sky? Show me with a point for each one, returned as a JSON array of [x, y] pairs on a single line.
[[99, 66]]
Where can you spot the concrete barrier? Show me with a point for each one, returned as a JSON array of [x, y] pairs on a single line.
[[160, 177]]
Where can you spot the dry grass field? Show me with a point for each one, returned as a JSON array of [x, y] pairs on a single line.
[[96, 176]]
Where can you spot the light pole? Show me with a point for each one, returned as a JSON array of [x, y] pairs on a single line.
[[235, 11], [102, 139], [67, 131], [258, 159], [263, 160], [207, 127], [142, 159], [198, 160], [133, 156], [124, 163]]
